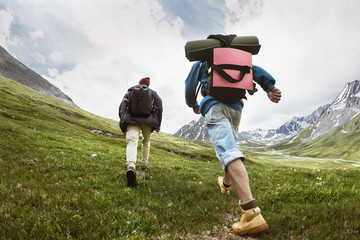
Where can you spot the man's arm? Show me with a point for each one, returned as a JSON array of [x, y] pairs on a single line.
[[159, 109], [267, 83], [123, 105], [262, 77], [191, 83]]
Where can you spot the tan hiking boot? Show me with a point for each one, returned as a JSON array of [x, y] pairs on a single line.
[[251, 222], [223, 189]]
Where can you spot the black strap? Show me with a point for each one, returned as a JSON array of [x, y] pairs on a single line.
[[225, 40], [220, 69], [198, 80]]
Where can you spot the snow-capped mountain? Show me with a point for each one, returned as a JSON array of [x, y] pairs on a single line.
[[345, 107], [196, 130], [12, 69], [288, 129]]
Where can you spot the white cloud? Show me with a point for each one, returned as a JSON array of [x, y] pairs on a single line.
[[6, 37], [311, 51], [53, 72], [15, 41], [56, 56], [40, 58], [98, 48], [134, 40], [5, 23], [37, 34]]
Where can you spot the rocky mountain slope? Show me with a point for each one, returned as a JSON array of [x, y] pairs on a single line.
[[335, 134], [287, 129], [12, 69], [344, 108], [196, 130]]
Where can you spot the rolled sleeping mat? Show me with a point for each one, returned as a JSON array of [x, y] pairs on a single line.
[[203, 49]]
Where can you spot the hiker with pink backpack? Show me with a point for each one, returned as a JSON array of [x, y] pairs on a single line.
[[223, 73]]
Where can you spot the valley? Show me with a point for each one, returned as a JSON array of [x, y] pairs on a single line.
[[275, 158]]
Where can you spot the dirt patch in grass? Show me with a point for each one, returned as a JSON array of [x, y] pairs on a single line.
[[221, 230]]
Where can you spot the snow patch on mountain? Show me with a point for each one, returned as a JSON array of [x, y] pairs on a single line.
[[345, 107], [196, 130], [288, 129]]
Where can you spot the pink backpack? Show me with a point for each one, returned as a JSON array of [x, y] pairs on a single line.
[[230, 75]]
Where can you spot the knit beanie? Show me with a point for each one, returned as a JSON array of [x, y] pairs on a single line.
[[145, 80]]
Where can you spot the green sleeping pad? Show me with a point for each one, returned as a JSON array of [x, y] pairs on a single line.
[[202, 49]]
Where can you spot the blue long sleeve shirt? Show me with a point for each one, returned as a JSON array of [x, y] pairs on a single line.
[[198, 73]]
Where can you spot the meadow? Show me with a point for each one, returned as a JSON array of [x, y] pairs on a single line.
[[62, 176]]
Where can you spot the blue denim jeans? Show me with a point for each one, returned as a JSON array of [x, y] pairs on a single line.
[[223, 124]]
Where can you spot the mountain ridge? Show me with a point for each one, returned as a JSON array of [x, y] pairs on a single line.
[[345, 107], [289, 128], [196, 130], [13, 69]]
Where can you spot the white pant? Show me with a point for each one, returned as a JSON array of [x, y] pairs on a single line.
[[132, 139]]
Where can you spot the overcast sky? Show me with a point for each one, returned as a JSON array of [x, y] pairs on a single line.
[[94, 50]]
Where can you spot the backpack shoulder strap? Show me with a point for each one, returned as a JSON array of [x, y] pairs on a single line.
[[198, 81]]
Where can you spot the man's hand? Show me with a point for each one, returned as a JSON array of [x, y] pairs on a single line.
[[196, 110], [274, 95]]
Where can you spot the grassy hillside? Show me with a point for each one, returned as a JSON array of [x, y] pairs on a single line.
[[342, 142], [62, 177]]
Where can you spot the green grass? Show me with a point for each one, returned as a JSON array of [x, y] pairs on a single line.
[[53, 187]]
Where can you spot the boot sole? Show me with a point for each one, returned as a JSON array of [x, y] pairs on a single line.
[[254, 230], [131, 179]]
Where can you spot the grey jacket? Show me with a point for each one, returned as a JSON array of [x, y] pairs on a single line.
[[153, 121]]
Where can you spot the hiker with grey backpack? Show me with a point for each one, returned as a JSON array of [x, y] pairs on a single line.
[[223, 73], [140, 111]]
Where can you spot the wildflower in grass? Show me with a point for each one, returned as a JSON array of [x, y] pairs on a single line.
[[321, 182]]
